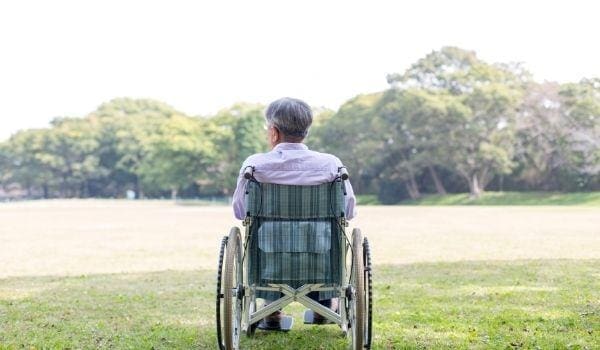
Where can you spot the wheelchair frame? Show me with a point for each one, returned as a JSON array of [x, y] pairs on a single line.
[[236, 306]]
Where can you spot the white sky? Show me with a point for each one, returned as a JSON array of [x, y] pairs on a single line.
[[64, 58]]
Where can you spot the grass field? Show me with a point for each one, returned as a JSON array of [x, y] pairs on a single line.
[[500, 198], [115, 274]]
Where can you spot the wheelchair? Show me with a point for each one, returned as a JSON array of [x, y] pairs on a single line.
[[295, 243]]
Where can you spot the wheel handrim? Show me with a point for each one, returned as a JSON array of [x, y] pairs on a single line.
[[232, 291], [369, 293], [220, 294], [358, 295]]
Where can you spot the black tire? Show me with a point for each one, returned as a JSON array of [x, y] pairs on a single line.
[[358, 298], [369, 293], [219, 300], [232, 281]]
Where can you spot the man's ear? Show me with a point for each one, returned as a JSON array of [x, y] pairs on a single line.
[[273, 136], [276, 135]]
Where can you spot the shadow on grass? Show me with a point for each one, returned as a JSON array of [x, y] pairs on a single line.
[[523, 304]]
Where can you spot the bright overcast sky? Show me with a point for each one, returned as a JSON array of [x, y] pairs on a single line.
[[64, 58]]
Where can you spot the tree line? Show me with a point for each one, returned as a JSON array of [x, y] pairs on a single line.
[[449, 123]]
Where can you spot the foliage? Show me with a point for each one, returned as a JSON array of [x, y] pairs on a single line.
[[180, 152], [241, 135], [349, 135], [469, 114], [451, 123]]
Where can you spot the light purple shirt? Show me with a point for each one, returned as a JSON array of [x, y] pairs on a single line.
[[291, 164]]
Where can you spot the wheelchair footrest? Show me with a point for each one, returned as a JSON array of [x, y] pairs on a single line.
[[285, 325], [309, 318]]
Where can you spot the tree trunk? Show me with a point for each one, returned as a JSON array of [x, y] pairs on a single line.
[[412, 187], [474, 186], [174, 193], [82, 191], [63, 187], [439, 186], [139, 193], [485, 179], [411, 191]]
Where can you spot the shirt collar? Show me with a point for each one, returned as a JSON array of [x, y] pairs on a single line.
[[290, 146]]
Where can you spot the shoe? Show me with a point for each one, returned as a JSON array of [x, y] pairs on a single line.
[[320, 319], [273, 321]]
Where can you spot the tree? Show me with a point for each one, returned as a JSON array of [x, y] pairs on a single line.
[[240, 135], [181, 153], [6, 167], [413, 124], [350, 135], [581, 111], [27, 161], [71, 154], [478, 141], [542, 134], [127, 126]]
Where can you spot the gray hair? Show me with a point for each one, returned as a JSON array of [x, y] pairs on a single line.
[[291, 116]]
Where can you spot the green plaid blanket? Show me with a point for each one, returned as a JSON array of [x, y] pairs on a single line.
[[294, 238]]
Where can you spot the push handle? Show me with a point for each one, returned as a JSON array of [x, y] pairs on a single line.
[[344, 173], [249, 172]]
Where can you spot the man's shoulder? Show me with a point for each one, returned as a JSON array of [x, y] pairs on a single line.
[[259, 159], [253, 160], [253, 157], [327, 156]]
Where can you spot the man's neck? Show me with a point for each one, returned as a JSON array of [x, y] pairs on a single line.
[[290, 146], [285, 141]]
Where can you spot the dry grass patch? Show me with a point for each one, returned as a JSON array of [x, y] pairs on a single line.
[[74, 237]]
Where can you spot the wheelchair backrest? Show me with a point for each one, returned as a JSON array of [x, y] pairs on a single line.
[[295, 236], [292, 202]]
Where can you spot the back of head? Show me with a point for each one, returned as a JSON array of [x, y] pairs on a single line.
[[290, 116]]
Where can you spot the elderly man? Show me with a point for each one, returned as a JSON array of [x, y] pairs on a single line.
[[290, 162]]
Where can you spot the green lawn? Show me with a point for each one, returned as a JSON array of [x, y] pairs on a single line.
[[533, 304], [499, 198]]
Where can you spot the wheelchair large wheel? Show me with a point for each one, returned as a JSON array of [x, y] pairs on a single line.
[[233, 292], [357, 302], [369, 293], [218, 311]]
